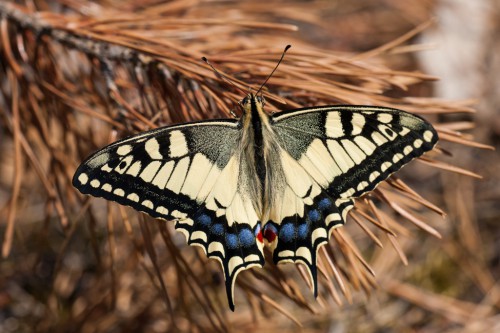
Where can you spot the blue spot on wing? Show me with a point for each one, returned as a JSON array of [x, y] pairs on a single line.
[[324, 203], [217, 229], [246, 238], [303, 230], [231, 241], [314, 215], [204, 219], [257, 229], [287, 232]]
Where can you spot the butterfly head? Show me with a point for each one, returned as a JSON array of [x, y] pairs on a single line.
[[252, 100]]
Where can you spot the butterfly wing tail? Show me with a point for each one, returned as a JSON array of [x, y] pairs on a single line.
[[300, 237]]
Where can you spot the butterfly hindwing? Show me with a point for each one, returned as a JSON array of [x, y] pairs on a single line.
[[301, 233], [342, 152], [187, 173]]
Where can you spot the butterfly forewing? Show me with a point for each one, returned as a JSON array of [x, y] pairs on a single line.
[[348, 150], [187, 173]]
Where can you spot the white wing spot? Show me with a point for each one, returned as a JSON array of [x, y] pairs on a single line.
[[289, 205], [178, 215], [378, 138], [418, 143], [186, 222], [341, 156], [119, 192], [163, 175], [220, 212], [362, 186], [333, 125], [251, 257], [323, 161], [407, 150], [134, 169], [295, 175], [404, 131], [150, 171], [124, 150], [385, 166], [83, 178], [374, 175], [95, 183], [304, 253], [224, 191], [384, 117], [216, 247], [200, 167], [133, 197], [153, 149], [107, 187], [162, 210], [178, 144], [345, 211], [334, 217], [397, 158], [286, 253], [358, 122], [428, 136], [354, 152], [366, 145], [348, 193], [199, 235], [233, 263], [148, 204], [208, 184], [106, 168], [178, 176], [321, 232]]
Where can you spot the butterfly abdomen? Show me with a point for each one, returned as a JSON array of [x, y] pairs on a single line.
[[258, 143]]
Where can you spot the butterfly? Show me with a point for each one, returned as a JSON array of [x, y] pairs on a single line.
[[234, 186]]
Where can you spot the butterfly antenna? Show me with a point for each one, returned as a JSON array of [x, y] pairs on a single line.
[[274, 70], [222, 76]]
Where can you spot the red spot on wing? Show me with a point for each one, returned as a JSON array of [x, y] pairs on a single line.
[[269, 234], [260, 238]]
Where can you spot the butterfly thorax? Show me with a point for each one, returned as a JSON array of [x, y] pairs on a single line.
[[261, 163]]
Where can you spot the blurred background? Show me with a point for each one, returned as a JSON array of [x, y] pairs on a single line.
[[421, 254]]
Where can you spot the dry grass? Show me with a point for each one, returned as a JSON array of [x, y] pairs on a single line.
[[77, 75]]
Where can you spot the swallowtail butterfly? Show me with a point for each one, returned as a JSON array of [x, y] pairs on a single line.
[[233, 186]]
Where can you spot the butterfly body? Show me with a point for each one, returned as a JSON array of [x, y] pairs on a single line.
[[283, 180]]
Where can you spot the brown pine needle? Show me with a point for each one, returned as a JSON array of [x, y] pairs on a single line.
[[449, 167], [365, 229], [465, 142], [18, 169], [392, 238], [278, 307]]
